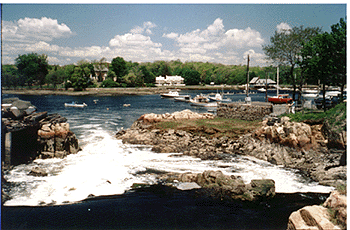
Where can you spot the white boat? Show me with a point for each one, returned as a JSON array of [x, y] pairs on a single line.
[[74, 104], [201, 100], [170, 94], [183, 98], [310, 94], [333, 93], [262, 90], [219, 97]]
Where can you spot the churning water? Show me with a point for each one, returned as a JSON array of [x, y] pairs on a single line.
[[106, 166]]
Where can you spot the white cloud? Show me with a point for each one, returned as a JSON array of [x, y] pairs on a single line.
[[129, 40], [147, 26], [172, 35], [283, 27], [34, 29], [243, 38]]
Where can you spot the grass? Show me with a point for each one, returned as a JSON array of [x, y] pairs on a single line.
[[336, 117], [216, 127]]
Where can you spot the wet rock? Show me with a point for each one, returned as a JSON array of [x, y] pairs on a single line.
[[36, 171], [223, 186]]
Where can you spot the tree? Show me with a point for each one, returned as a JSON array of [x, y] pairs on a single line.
[[192, 77], [323, 57], [286, 46], [119, 67], [32, 68], [79, 77], [56, 76], [9, 76], [339, 54]]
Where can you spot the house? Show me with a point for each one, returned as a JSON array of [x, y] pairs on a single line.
[[101, 73], [170, 80], [257, 82]]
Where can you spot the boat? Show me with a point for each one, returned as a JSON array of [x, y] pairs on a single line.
[[170, 94], [262, 90], [201, 100], [183, 98], [74, 104], [280, 99], [310, 94]]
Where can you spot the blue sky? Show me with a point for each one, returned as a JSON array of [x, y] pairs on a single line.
[[221, 33]]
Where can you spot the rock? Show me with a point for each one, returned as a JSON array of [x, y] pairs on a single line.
[[220, 185], [188, 186], [311, 217], [337, 203], [36, 171]]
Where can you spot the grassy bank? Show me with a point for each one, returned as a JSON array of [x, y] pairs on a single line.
[[216, 127], [336, 117]]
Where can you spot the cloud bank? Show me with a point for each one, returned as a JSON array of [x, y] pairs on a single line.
[[210, 44]]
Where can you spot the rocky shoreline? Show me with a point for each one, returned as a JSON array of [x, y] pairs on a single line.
[[278, 141], [291, 144]]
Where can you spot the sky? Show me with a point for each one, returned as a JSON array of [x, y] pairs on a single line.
[[218, 33]]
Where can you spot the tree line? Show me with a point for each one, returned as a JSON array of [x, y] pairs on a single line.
[[305, 56]]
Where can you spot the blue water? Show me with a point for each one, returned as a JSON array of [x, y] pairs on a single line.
[[103, 158]]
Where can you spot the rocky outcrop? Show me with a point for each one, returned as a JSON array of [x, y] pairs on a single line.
[[182, 115], [27, 134], [218, 185], [278, 141], [330, 216], [55, 138]]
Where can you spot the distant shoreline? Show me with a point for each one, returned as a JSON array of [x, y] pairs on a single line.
[[111, 91]]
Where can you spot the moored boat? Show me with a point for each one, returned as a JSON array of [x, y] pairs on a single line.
[[170, 94], [74, 104], [183, 98], [280, 99]]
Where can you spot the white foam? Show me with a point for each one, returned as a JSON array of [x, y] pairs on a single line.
[[105, 166]]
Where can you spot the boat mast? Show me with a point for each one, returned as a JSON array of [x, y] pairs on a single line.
[[278, 75], [248, 78]]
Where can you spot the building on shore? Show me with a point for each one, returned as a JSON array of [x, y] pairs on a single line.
[[256, 82], [170, 81]]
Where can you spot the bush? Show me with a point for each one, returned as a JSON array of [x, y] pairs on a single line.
[[109, 83]]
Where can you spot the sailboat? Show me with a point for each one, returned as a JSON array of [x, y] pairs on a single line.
[[279, 98]]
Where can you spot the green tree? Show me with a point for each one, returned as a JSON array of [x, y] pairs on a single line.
[[119, 67], [147, 75], [32, 68], [9, 77], [56, 76], [286, 46], [324, 57], [78, 77], [191, 76]]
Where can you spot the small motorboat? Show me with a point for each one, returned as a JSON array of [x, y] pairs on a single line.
[[262, 90], [74, 104], [201, 100], [183, 98], [170, 94], [280, 99]]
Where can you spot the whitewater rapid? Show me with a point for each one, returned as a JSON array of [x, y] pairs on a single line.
[[106, 166]]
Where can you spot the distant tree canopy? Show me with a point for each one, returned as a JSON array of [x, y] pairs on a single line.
[[32, 68]]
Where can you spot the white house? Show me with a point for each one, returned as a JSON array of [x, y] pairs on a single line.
[[170, 80]]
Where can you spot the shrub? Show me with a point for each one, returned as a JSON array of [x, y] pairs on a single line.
[[109, 83]]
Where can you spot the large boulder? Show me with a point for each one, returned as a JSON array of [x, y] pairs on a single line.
[[233, 187], [331, 215]]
